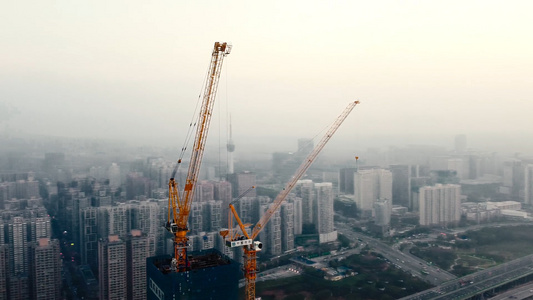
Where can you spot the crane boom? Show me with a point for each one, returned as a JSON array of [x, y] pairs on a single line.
[[301, 171], [247, 240], [180, 206]]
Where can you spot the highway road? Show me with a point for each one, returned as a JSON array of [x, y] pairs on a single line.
[[414, 265], [518, 293]]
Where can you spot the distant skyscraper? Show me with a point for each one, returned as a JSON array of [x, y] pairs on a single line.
[[370, 185], [346, 180], [114, 176], [401, 184], [205, 191], [241, 182], [324, 211], [528, 186], [440, 204]]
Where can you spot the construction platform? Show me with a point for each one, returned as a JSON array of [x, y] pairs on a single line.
[[213, 276]]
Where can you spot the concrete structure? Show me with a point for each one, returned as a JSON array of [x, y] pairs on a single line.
[[440, 204], [287, 226], [304, 190], [346, 181], [370, 185], [382, 212], [212, 276], [528, 185], [112, 270], [240, 182], [46, 269], [324, 211], [401, 184]]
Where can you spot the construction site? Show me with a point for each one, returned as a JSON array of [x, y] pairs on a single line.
[[209, 274]]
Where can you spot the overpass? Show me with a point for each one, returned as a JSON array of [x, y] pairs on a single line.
[[474, 285]]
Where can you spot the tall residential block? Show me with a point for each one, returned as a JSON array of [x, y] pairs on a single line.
[[324, 212], [112, 268], [46, 269], [440, 204]]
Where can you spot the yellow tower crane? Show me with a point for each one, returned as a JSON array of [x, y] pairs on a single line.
[[179, 206], [234, 238]]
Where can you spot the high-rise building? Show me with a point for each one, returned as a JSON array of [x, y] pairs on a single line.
[[298, 219], [382, 211], [205, 191], [440, 204], [324, 212], [370, 185], [346, 181], [137, 250], [88, 236], [223, 193], [271, 234], [304, 189], [113, 220], [112, 268], [46, 269], [114, 175], [212, 275], [241, 182], [213, 215], [528, 185], [401, 184], [287, 226]]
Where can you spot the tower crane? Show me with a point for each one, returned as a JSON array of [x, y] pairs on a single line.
[[247, 240], [179, 206]]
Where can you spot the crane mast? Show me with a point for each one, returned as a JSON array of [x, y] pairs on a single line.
[[250, 246], [179, 207]]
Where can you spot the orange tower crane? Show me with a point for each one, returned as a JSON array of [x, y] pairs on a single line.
[[246, 240], [179, 207]]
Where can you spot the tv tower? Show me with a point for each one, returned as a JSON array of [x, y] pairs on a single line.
[[231, 147]]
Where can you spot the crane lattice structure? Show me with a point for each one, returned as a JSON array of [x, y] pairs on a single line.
[[234, 238], [179, 207]]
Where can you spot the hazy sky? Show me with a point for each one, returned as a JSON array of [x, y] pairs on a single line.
[[126, 69]]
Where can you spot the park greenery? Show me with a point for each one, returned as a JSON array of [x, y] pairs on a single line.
[[477, 250], [375, 278]]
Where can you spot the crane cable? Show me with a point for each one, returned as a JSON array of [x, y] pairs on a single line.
[[192, 125]]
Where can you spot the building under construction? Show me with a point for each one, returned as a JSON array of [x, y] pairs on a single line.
[[212, 276]]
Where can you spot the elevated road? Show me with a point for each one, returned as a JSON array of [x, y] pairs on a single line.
[[477, 283]]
